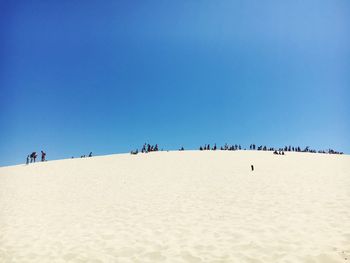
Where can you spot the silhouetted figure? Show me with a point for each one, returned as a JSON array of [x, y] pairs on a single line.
[[27, 159], [200, 148], [33, 157], [43, 156], [135, 152], [252, 167], [90, 154]]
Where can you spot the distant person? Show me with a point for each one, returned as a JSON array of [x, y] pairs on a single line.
[[90, 154], [27, 159], [43, 156], [135, 152], [34, 156], [252, 167]]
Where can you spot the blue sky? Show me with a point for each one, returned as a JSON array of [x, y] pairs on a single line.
[[81, 76]]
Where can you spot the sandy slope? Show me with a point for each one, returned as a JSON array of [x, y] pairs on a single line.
[[178, 207]]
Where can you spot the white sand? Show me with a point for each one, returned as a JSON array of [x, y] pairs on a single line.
[[178, 207]]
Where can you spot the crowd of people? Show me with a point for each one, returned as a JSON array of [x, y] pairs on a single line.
[[278, 151], [146, 148], [31, 158], [292, 149], [226, 147]]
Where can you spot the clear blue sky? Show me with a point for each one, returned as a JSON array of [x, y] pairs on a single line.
[[107, 76]]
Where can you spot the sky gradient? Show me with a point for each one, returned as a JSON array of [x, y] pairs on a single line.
[[81, 76]]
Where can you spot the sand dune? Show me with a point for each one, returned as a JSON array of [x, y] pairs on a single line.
[[178, 207]]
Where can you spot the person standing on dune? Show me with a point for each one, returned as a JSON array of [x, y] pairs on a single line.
[[43, 155], [32, 157]]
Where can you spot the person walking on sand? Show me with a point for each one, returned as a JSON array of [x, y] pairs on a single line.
[[27, 160], [43, 156], [32, 157], [252, 167]]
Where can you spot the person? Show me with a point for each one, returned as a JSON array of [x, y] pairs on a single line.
[[43, 155], [90, 154], [252, 166], [31, 157], [27, 159]]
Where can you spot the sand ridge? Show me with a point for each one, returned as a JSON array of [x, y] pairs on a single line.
[[187, 206]]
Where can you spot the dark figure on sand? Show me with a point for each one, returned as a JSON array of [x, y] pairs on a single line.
[[43, 156], [33, 156], [27, 159], [146, 148], [252, 166], [135, 152]]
